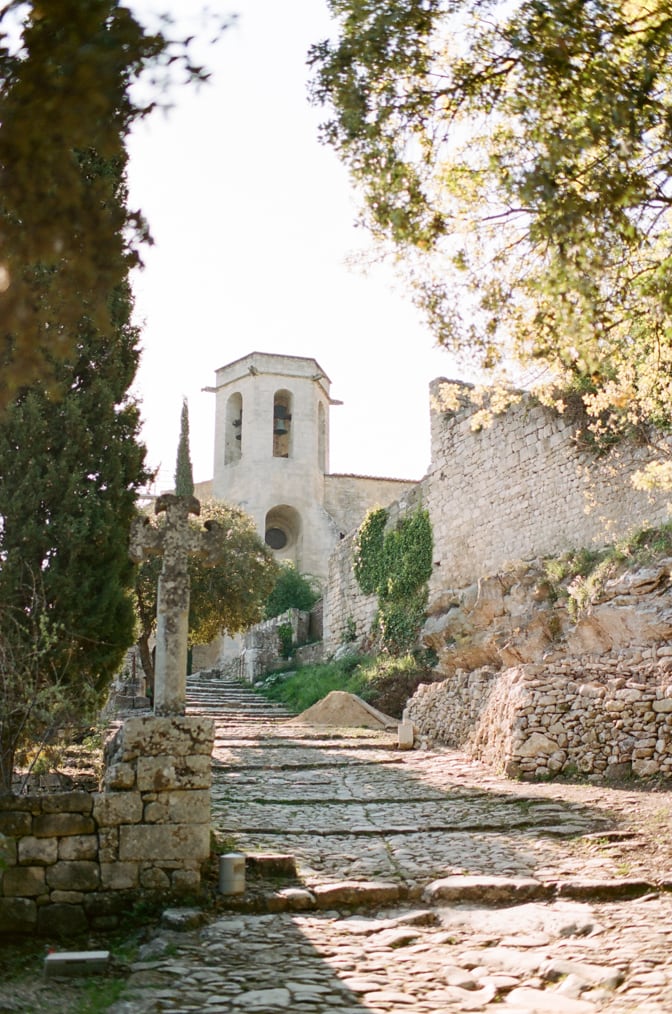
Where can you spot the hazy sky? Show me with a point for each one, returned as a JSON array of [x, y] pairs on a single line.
[[253, 221]]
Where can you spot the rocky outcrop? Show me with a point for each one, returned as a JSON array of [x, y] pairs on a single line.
[[533, 691]]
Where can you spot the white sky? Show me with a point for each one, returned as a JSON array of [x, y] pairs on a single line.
[[253, 220]]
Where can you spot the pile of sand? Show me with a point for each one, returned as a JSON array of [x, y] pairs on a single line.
[[341, 709]]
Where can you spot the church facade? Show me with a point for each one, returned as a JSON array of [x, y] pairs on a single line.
[[272, 459]]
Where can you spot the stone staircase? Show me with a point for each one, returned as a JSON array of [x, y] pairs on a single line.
[[226, 697]]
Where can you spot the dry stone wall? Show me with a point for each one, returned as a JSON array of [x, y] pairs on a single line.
[[537, 721], [75, 860]]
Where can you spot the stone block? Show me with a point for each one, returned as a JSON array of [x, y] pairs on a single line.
[[405, 735], [17, 915], [156, 736], [7, 851], [166, 772], [108, 844], [24, 882], [69, 964], [180, 807], [78, 875], [354, 892], [53, 825], [120, 776], [108, 904], [155, 812], [77, 801], [119, 876], [185, 881], [66, 897], [154, 879], [79, 846], [15, 823], [61, 920], [37, 851], [156, 842], [112, 808]]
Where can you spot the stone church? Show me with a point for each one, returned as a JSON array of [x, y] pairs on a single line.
[[272, 459]]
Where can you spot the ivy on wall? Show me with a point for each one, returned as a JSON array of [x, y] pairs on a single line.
[[395, 565]]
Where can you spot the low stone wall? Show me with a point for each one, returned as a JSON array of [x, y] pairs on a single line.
[[74, 860], [261, 645], [599, 718]]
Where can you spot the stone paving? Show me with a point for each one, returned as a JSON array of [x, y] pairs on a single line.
[[424, 884]]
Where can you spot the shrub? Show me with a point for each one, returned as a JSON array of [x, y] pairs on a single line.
[[291, 591]]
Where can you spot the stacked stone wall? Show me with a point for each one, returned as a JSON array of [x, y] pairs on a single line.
[[74, 860], [598, 718], [261, 644]]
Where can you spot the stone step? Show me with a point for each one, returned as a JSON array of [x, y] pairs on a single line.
[[226, 699]]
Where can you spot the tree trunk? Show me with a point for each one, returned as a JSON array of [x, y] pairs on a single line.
[[146, 661], [7, 746]]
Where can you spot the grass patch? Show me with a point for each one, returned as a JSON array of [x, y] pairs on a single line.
[[383, 681]]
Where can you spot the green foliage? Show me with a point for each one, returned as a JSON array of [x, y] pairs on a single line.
[[306, 685], [66, 105], [71, 467], [579, 576], [98, 995], [184, 477], [400, 621], [396, 566], [286, 638], [515, 157], [225, 598], [384, 681], [291, 591], [368, 554]]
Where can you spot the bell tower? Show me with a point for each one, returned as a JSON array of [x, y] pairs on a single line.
[[272, 453]]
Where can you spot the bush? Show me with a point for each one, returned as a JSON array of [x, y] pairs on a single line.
[[292, 591], [384, 682]]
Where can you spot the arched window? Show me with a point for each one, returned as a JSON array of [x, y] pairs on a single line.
[[282, 424], [233, 438], [282, 529]]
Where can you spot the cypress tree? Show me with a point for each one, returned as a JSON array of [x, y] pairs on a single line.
[[70, 459], [184, 476]]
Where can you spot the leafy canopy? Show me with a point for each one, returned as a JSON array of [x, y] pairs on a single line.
[[517, 158], [225, 598], [292, 590]]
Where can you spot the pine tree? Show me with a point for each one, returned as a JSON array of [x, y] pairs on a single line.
[[184, 477]]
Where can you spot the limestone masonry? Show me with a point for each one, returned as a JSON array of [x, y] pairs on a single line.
[[71, 860]]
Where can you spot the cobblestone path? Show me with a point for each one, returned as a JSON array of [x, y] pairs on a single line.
[[424, 884]]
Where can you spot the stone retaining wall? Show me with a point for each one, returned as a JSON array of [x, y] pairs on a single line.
[[74, 860], [518, 488], [598, 717]]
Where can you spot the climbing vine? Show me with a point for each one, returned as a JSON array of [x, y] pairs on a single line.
[[396, 566], [369, 551]]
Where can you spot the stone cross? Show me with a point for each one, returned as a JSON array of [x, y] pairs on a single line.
[[176, 541]]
